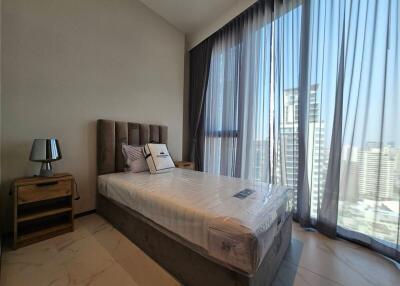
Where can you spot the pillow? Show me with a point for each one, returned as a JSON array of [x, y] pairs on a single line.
[[158, 158], [134, 158]]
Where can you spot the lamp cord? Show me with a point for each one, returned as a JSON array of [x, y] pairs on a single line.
[[78, 197]]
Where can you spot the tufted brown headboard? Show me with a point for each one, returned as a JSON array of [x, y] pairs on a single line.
[[110, 136]]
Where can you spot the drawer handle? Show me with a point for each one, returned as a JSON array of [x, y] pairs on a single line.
[[47, 184]]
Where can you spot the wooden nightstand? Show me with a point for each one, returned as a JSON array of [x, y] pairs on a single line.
[[184, 165], [42, 208]]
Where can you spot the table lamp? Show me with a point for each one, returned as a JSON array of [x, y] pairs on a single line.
[[45, 151]]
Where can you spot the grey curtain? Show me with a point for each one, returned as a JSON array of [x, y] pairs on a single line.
[[200, 58], [303, 203]]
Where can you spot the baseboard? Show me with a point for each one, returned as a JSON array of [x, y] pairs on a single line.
[[85, 213]]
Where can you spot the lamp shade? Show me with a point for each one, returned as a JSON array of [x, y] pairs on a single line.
[[45, 150]]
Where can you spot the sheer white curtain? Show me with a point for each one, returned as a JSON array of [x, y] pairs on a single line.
[[369, 190], [247, 125], [349, 112], [286, 51], [307, 96], [238, 98], [221, 110]]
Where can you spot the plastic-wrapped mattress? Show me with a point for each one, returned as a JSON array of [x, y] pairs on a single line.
[[233, 220]]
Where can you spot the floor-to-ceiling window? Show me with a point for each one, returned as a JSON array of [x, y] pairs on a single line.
[[307, 95], [244, 113], [369, 192]]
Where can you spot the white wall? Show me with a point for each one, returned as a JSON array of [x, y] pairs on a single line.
[[198, 36], [67, 63]]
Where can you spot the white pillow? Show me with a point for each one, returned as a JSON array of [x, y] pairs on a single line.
[[134, 158], [158, 158]]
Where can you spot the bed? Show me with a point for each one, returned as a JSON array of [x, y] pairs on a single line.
[[203, 229]]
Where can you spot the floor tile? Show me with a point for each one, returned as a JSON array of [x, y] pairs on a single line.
[[97, 254]]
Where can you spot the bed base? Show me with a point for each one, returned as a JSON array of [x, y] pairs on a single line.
[[185, 262]]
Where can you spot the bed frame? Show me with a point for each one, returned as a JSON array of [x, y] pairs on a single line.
[[188, 263]]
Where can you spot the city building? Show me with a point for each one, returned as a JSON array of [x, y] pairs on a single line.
[[289, 143]]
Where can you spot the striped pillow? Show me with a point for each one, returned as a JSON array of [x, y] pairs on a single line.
[[134, 159]]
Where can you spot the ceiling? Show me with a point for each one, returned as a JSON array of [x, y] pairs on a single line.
[[190, 15]]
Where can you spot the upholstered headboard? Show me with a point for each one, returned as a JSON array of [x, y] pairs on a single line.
[[110, 136]]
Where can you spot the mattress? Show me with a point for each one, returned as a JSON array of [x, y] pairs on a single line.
[[233, 220]]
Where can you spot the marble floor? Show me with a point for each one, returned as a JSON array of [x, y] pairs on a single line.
[[97, 254]]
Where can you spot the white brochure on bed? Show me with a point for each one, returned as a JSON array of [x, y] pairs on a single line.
[[158, 158]]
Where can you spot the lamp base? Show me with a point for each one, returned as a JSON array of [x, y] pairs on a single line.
[[46, 170]]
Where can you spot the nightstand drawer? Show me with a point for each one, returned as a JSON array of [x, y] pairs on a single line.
[[43, 191]]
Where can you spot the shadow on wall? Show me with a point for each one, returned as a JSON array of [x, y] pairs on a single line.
[[80, 162], [290, 264], [30, 168], [90, 193]]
